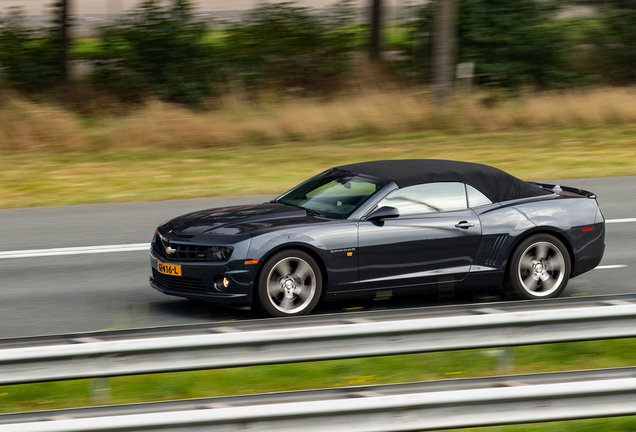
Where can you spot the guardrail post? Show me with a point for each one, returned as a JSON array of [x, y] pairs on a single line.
[[505, 360], [100, 391]]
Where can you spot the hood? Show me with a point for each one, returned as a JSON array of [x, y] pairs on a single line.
[[238, 220]]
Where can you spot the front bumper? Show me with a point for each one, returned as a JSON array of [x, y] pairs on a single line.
[[198, 281]]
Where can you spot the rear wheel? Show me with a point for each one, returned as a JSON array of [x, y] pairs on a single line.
[[289, 284], [539, 268]]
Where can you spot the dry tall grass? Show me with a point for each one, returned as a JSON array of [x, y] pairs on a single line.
[[372, 113], [28, 127], [593, 108]]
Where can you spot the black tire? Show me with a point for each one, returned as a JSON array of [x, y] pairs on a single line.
[[539, 268], [289, 284]]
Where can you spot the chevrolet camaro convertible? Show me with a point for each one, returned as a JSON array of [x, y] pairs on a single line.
[[385, 227]]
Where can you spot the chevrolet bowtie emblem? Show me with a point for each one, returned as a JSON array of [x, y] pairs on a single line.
[[170, 250]]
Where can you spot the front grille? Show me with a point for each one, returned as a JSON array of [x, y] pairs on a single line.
[[183, 252], [179, 283], [188, 252]]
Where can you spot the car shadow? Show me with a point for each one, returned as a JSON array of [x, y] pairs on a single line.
[[184, 309], [419, 300]]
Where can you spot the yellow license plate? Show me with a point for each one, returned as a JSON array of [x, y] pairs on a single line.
[[169, 269]]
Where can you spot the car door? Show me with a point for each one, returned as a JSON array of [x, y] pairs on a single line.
[[434, 239]]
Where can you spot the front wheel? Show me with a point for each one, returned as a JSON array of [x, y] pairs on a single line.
[[289, 284], [539, 268]]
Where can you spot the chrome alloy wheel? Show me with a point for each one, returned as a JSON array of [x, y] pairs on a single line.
[[541, 269], [291, 285]]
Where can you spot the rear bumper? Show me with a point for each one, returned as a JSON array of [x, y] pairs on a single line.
[[589, 248]]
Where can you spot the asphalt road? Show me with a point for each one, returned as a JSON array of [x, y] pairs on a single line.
[[86, 292]]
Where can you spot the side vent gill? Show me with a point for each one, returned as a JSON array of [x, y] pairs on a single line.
[[494, 252]]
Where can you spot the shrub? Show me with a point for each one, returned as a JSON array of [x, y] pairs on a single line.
[[29, 57], [618, 48], [159, 50], [283, 46], [511, 42]]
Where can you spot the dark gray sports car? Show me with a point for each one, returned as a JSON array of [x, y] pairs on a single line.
[[396, 226]]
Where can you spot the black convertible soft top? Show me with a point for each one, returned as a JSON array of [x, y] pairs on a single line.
[[495, 184]]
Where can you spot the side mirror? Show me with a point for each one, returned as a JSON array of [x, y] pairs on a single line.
[[385, 212]]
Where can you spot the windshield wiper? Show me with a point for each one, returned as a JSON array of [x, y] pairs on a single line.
[[311, 212]]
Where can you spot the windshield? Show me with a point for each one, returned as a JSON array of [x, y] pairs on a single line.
[[334, 194]]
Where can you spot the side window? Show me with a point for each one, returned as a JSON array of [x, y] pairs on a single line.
[[476, 198], [427, 198]]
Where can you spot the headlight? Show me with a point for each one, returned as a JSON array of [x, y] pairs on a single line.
[[219, 253]]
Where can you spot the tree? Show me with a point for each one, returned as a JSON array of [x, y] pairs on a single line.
[[62, 20], [444, 41], [376, 30], [511, 42]]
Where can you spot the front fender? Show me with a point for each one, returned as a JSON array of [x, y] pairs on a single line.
[[263, 246]]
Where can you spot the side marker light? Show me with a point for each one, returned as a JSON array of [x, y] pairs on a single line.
[[250, 262], [590, 228], [349, 254]]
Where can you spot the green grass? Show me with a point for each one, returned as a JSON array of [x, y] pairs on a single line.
[[337, 373], [130, 175]]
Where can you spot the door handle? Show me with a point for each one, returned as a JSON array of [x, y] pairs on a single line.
[[465, 225]]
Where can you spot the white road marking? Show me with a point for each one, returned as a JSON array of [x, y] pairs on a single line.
[[74, 250], [606, 267], [620, 220]]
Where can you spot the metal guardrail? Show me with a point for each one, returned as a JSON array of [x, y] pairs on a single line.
[[223, 347], [452, 384], [403, 407]]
